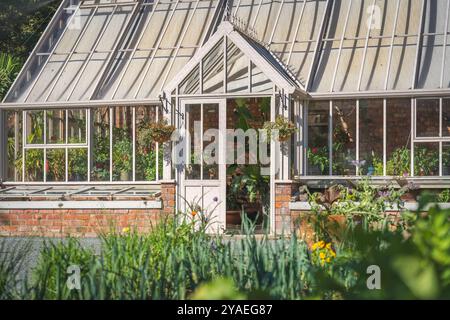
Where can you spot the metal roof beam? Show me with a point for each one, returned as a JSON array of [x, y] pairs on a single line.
[[419, 45], [319, 43]]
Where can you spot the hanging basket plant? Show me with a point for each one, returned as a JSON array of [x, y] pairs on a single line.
[[160, 132], [284, 127]]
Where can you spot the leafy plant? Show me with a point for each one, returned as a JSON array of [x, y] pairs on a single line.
[[282, 125], [400, 162], [55, 166], [122, 154], [248, 184], [444, 196], [152, 132], [426, 161], [319, 157], [77, 164], [9, 68]]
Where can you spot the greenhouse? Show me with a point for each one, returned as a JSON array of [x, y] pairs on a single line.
[[366, 84]]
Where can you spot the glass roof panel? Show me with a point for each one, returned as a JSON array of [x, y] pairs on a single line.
[[88, 62], [171, 36]]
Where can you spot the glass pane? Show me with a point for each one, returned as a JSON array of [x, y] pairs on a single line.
[[210, 144], [427, 117], [371, 137], [56, 132], [318, 151], [426, 159], [14, 152], [260, 83], [77, 126], [446, 159], [398, 132], [34, 165], [35, 127], [100, 145], [344, 137], [191, 84], [431, 62], [78, 164], [122, 143], [193, 120], [145, 147], [446, 117], [213, 72], [237, 70], [55, 166]]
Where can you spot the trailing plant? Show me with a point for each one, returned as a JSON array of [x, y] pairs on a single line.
[[159, 131], [283, 126]]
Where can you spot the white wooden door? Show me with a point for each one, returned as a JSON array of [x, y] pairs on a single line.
[[203, 176]]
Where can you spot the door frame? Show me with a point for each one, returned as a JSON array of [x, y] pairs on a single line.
[[181, 172]]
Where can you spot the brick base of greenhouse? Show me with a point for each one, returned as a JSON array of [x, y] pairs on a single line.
[[88, 222]]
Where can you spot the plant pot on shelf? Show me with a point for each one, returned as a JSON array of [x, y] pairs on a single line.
[[233, 217], [125, 176]]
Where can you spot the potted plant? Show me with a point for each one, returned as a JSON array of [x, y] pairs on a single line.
[[284, 127], [319, 157], [248, 191], [160, 132], [122, 155]]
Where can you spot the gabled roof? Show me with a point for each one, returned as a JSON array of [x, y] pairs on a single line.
[[122, 51], [252, 49]]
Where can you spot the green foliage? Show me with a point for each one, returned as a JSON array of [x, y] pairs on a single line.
[[179, 261], [56, 165], [248, 184], [283, 126], [444, 196], [22, 22], [49, 279], [77, 163], [400, 162], [426, 161], [122, 153], [9, 67], [218, 289], [12, 260], [319, 157]]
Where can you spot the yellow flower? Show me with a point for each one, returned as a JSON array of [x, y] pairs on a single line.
[[328, 260], [318, 245], [333, 254], [125, 230], [322, 255], [328, 246]]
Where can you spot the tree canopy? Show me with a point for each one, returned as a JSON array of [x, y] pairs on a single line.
[[21, 24]]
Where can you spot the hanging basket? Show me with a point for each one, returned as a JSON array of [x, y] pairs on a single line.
[[160, 131], [284, 127]]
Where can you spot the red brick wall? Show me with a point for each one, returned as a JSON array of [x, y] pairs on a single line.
[[84, 222], [283, 194]]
